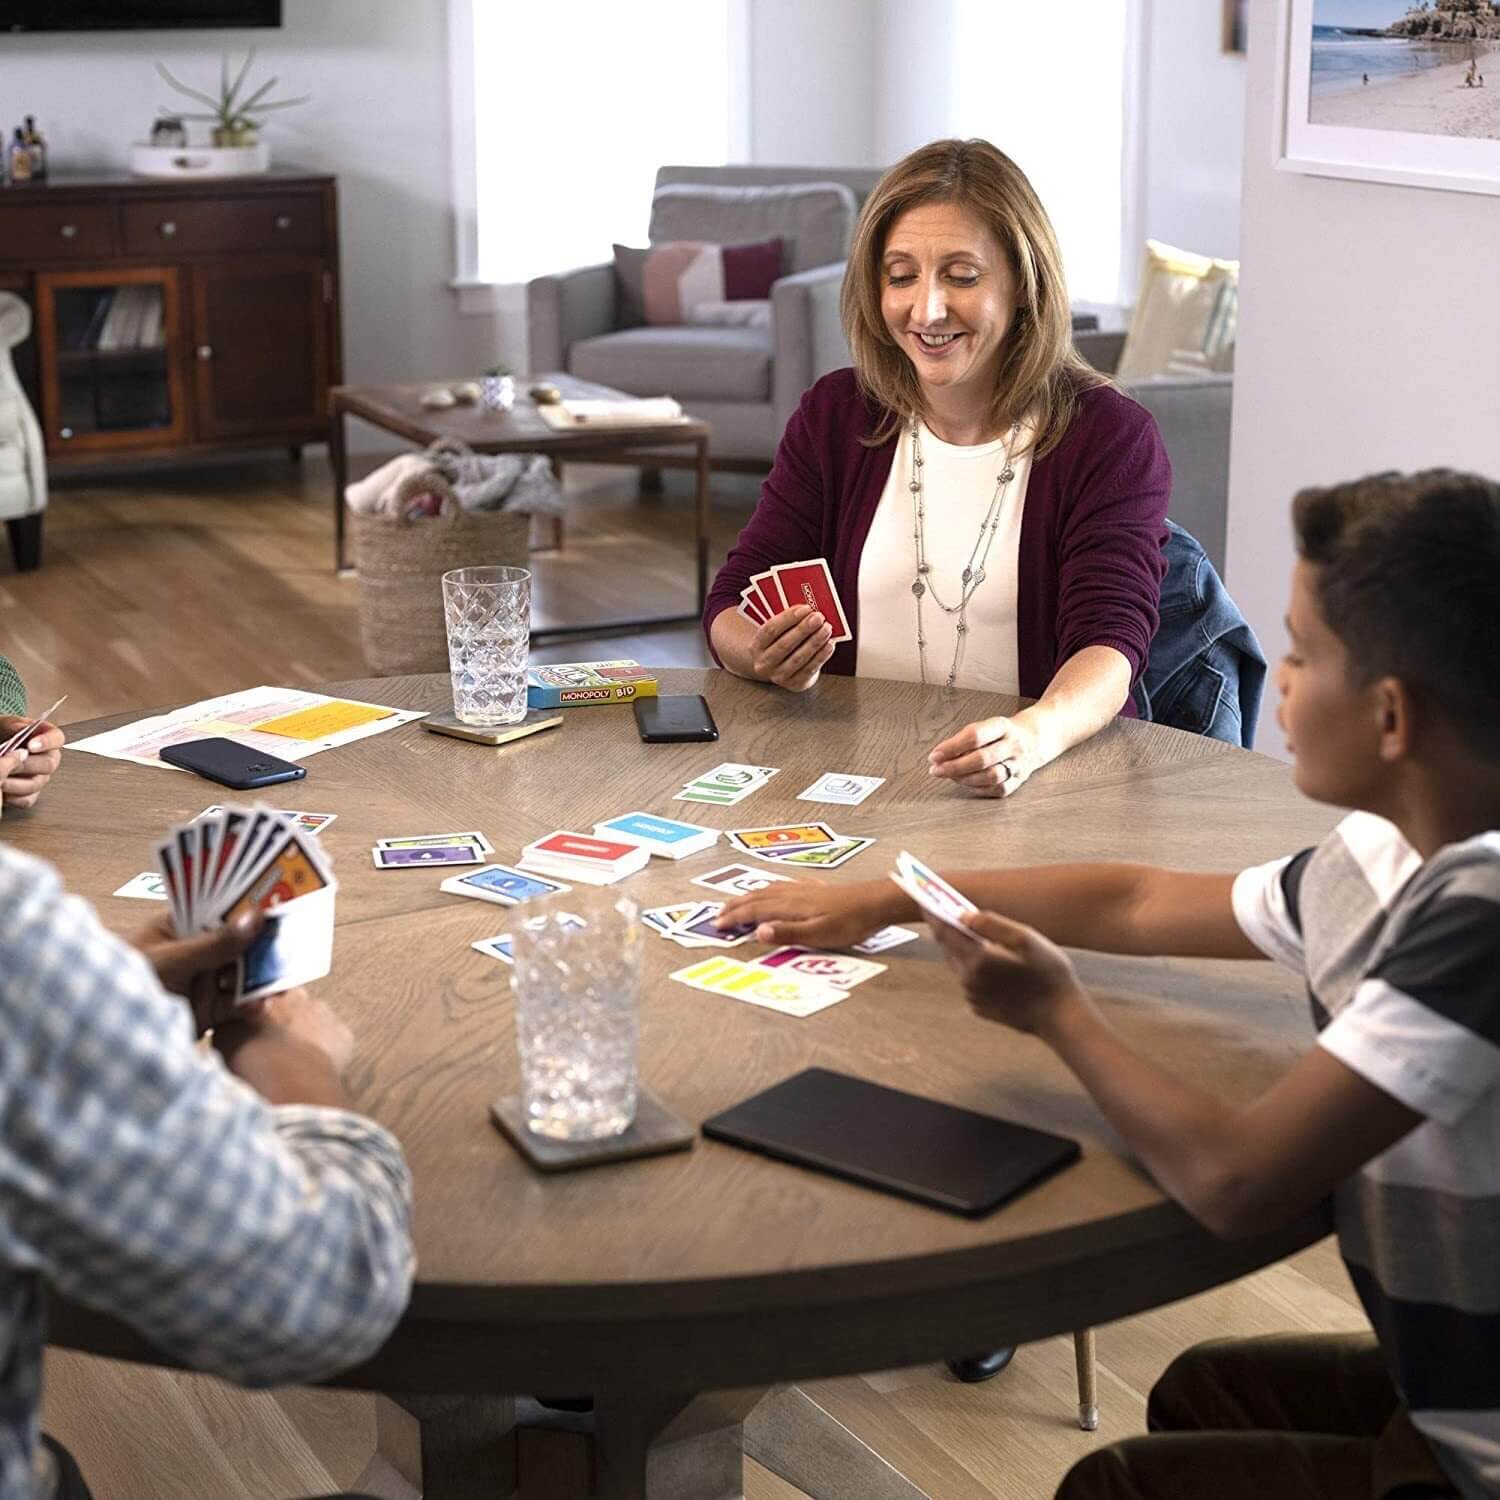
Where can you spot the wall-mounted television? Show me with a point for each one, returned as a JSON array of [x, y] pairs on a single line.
[[135, 15]]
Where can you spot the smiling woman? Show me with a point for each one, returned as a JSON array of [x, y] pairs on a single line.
[[991, 509]]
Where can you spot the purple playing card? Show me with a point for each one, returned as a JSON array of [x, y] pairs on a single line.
[[437, 854]]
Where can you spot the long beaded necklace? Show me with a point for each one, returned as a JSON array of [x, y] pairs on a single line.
[[973, 575]]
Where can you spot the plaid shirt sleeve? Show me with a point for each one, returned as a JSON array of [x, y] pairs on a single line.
[[267, 1245]]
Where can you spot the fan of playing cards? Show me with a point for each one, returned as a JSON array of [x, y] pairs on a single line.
[[789, 584], [236, 859]]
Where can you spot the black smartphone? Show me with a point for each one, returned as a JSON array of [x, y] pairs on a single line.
[[230, 763], [674, 719]]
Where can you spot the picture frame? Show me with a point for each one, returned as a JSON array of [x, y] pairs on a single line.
[[1236, 26], [1370, 151]]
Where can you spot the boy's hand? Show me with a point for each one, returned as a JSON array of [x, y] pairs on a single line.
[[1012, 974], [812, 913], [36, 761], [202, 968]]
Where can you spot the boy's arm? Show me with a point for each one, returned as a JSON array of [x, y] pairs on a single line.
[[1112, 908], [1236, 1169]]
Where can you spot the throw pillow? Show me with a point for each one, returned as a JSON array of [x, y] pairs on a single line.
[[1186, 310], [663, 284]]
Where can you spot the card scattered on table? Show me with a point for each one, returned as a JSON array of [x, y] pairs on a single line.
[[690, 924], [932, 893], [502, 884], [149, 885], [581, 856], [887, 937], [426, 856], [823, 857], [799, 844], [738, 880], [215, 868], [726, 784], [791, 994], [664, 837], [790, 584], [437, 840], [308, 822], [503, 944], [837, 969], [841, 787]]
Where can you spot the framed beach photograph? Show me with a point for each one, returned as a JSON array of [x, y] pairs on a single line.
[[1401, 91]]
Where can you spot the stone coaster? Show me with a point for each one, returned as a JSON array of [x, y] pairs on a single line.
[[655, 1130]]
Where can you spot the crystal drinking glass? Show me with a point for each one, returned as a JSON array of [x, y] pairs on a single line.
[[577, 982], [488, 612]]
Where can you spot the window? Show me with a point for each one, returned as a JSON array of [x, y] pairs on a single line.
[[1047, 85], [573, 110]]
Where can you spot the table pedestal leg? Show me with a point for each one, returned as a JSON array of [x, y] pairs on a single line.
[[790, 1434], [450, 1447], [665, 1447]]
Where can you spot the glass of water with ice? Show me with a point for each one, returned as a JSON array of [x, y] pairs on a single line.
[[577, 981], [488, 614]]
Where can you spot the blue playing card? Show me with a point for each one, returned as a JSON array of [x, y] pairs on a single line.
[[658, 830], [501, 884]]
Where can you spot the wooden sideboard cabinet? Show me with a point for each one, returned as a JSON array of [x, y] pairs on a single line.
[[175, 317]]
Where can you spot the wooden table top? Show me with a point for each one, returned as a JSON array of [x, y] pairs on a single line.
[[399, 409], [734, 1268]]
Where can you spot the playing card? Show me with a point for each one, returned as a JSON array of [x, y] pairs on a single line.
[[502, 947], [711, 798], [149, 885], [582, 847], [887, 937], [700, 924], [738, 880], [501, 884], [29, 728], [932, 893], [791, 994], [766, 593], [825, 857], [840, 786], [782, 836], [664, 837], [751, 607], [810, 582], [426, 855], [294, 947], [837, 969], [440, 840], [288, 874], [308, 822]]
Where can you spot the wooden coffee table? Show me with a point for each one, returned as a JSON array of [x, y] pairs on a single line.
[[399, 409], [717, 1271]]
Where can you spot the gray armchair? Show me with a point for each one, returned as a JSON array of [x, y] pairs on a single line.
[[746, 382], [23, 469]]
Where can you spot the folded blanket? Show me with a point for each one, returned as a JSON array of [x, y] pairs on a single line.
[[521, 482]]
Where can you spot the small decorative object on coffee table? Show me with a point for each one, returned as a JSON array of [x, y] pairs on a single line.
[[498, 389]]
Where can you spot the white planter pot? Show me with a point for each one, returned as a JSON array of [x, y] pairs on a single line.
[[200, 161]]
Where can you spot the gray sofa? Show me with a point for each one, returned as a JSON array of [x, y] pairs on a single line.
[[746, 382]]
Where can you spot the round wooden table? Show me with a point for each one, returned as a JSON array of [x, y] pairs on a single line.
[[716, 1270]]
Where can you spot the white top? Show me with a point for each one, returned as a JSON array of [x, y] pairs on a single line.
[[958, 485]]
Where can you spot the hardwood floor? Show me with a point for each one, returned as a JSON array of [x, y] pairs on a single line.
[[176, 586]]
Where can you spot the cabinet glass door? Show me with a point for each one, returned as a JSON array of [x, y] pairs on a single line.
[[111, 359]]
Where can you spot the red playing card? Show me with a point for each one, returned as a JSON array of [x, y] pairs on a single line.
[[750, 606], [764, 588], [811, 583], [580, 846]]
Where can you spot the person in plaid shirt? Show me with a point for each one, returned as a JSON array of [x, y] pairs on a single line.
[[226, 1201]]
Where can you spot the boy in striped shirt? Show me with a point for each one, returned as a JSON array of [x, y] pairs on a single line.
[[1390, 699]]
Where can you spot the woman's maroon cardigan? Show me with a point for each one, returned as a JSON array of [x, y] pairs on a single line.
[[1091, 562]]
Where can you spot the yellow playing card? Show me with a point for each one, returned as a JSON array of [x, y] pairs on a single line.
[[323, 719]]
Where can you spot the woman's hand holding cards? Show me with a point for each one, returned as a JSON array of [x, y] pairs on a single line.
[[792, 648]]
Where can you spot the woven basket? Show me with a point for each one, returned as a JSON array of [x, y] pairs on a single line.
[[401, 565]]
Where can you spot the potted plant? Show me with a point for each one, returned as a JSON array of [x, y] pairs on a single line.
[[236, 116]]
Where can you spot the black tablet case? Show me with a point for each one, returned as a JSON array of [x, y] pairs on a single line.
[[917, 1148]]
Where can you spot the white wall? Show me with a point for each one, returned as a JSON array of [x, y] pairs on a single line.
[[812, 82], [1193, 131], [1360, 348], [378, 119]]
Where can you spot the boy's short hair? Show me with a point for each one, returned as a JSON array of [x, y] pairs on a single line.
[[1409, 581]]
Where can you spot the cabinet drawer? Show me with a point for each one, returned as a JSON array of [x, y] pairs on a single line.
[[39, 234], [185, 226]]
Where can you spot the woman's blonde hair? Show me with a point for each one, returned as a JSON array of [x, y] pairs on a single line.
[[1040, 371]]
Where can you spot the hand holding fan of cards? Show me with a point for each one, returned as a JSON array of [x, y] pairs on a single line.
[[791, 649], [789, 584], [239, 859], [933, 894]]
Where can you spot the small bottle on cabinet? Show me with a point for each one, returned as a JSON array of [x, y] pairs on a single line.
[[38, 148], [19, 158]]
